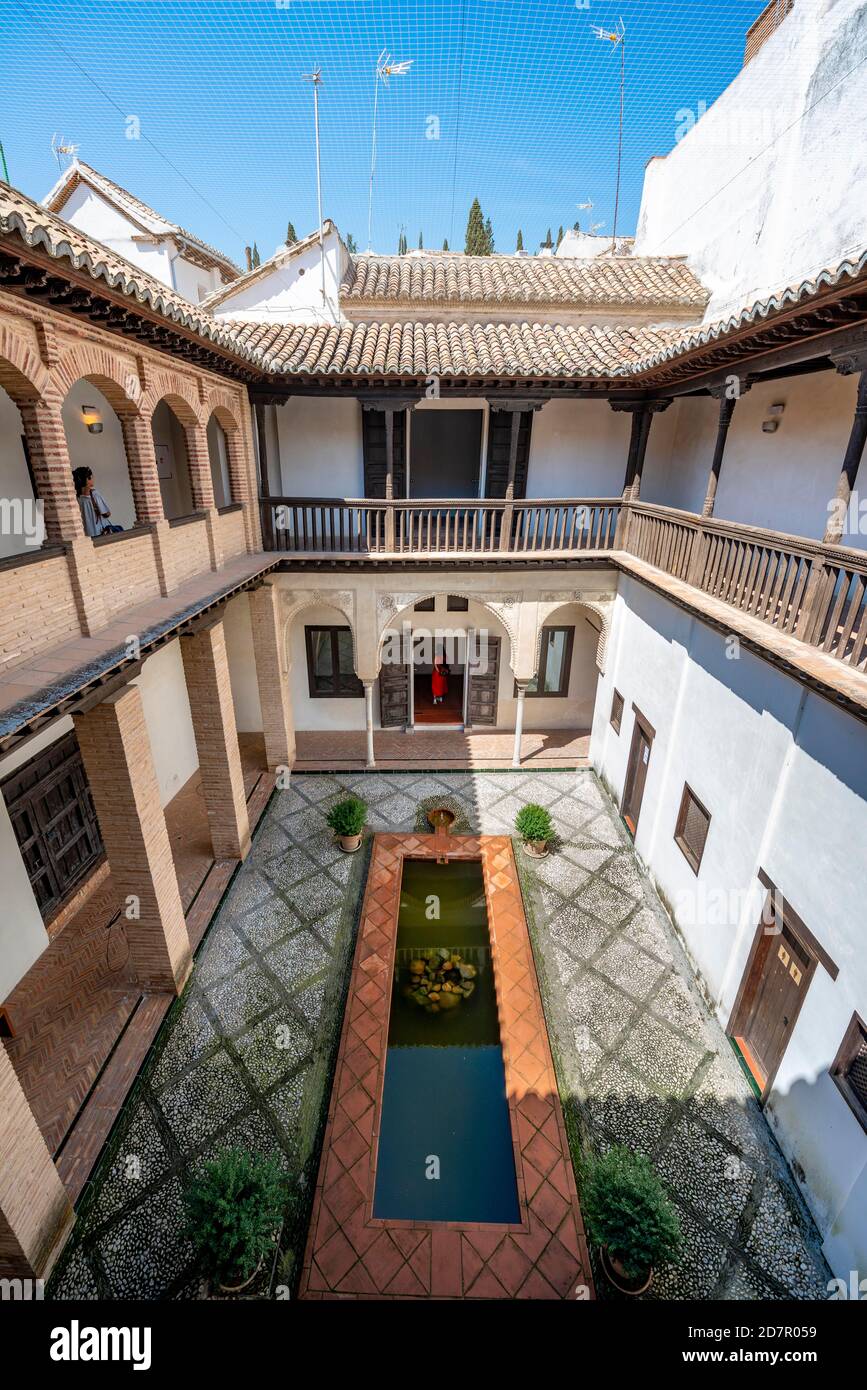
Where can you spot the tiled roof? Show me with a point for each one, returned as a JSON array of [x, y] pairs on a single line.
[[139, 212], [702, 335], [40, 228], [601, 282], [451, 349]]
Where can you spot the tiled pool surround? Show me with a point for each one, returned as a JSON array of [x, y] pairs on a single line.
[[352, 1253]]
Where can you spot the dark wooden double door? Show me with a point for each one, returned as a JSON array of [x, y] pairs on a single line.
[[55, 824], [636, 772], [480, 700], [775, 982]]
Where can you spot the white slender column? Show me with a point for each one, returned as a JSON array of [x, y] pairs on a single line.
[[519, 724], [368, 719]]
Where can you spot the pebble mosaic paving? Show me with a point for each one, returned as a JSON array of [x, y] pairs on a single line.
[[246, 1056]]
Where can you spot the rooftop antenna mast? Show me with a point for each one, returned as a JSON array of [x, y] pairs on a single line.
[[617, 38], [315, 77], [386, 67], [61, 150]]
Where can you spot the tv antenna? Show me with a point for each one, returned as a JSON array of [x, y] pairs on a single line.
[[315, 77], [617, 39], [386, 68], [62, 149]]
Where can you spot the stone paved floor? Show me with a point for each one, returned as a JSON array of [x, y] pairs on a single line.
[[246, 1055]]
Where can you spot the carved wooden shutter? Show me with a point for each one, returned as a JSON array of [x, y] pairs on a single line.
[[373, 446], [55, 824], [484, 686], [394, 696], [499, 443]]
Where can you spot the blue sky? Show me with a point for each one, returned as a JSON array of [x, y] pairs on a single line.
[[521, 94]]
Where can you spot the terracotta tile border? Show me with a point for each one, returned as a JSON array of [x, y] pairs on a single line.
[[352, 1254]]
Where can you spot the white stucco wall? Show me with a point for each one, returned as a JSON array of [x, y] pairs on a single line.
[[242, 665], [167, 715], [292, 290], [783, 480], [175, 490], [90, 212], [103, 453], [578, 449], [319, 443], [770, 184], [14, 480], [783, 774]]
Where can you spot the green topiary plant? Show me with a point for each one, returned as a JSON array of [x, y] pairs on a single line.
[[534, 823], [234, 1208], [628, 1213], [348, 817]]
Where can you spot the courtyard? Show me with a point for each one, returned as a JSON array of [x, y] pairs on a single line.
[[247, 1054]]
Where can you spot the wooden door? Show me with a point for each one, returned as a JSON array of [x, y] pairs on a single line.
[[394, 696], [777, 979], [636, 773], [55, 824], [483, 685]]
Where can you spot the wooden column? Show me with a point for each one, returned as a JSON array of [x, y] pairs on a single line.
[[516, 407], [642, 413], [838, 507], [264, 481], [728, 394]]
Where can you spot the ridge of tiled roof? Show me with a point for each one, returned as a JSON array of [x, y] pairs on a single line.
[[280, 256], [687, 340], [39, 228], [449, 349], [150, 220], [601, 281]]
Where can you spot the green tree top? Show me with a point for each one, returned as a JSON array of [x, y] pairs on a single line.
[[291, 235], [519, 245], [477, 243]]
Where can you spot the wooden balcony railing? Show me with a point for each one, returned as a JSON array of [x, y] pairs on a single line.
[[361, 526], [803, 588]]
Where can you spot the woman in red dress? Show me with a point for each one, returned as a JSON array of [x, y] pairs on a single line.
[[439, 681]]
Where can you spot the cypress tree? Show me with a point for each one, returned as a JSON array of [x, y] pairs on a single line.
[[257, 259], [350, 245], [519, 246], [489, 237], [559, 236], [420, 242], [291, 235], [548, 241], [445, 244], [401, 244], [476, 243]]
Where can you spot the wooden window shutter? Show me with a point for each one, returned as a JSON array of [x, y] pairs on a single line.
[[373, 447], [499, 441], [693, 823]]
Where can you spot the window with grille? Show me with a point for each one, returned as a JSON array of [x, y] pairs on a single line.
[[616, 711], [330, 670], [850, 1069], [456, 603], [425, 605], [693, 822]]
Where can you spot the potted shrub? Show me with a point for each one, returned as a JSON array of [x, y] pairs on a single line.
[[234, 1209], [630, 1218], [347, 818], [533, 824]]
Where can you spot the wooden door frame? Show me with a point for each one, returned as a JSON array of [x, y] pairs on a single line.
[[785, 915], [641, 725]]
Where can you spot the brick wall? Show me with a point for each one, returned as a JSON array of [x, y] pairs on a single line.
[[37, 609], [127, 573], [189, 550], [232, 537]]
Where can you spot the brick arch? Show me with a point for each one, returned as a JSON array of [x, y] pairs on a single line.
[[110, 373], [22, 375], [221, 404], [179, 393]]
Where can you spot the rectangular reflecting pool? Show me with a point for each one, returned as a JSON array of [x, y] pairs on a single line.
[[445, 1142]]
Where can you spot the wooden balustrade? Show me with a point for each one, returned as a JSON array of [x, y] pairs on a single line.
[[804, 588]]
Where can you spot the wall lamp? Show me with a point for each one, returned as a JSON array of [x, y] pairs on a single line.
[[92, 419]]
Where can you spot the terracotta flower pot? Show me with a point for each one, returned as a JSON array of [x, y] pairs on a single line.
[[350, 844], [537, 849], [617, 1276]]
